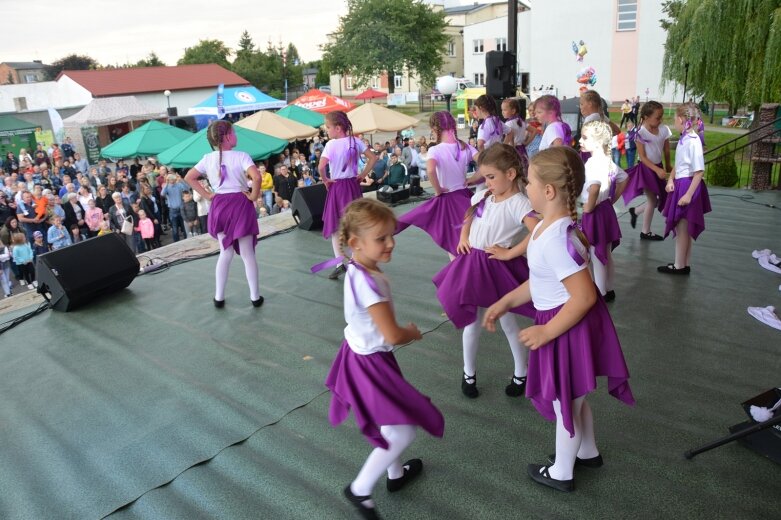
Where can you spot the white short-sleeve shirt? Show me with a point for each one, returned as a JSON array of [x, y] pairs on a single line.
[[554, 131], [341, 161], [654, 143], [688, 157], [490, 131], [501, 222], [451, 172], [518, 129], [236, 163], [599, 172], [596, 116], [361, 332], [550, 263]]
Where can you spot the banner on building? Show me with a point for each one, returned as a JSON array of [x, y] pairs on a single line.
[[91, 143]]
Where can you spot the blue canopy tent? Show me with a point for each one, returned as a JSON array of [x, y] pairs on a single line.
[[237, 99]]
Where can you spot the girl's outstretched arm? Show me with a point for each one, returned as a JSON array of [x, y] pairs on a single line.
[[514, 298], [583, 296], [382, 315]]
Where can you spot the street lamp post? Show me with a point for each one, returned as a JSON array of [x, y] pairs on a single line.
[[446, 85], [167, 94]]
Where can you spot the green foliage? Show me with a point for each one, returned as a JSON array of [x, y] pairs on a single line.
[[723, 172], [378, 36], [70, 62], [152, 60], [731, 48], [206, 51], [266, 70], [323, 76]]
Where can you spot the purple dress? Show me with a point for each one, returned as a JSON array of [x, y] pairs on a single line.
[[233, 214], [341, 193], [642, 178]]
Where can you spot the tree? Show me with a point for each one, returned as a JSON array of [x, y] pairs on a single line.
[[70, 62], [377, 36], [152, 60], [724, 50], [207, 51], [249, 62]]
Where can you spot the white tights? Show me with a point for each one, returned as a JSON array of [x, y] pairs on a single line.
[[647, 209], [247, 253], [683, 244], [471, 337], [380, 460], [582, 444], [604, 274]]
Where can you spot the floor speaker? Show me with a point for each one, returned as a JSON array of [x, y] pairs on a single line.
[[307, 205], [500, 74], [75, 275]]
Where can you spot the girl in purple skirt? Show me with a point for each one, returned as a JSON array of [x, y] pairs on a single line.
[[515, 130], [338, 168], [604, 183], [489, 263], [573, 340], [448, 162], [687, 199], [365, 376], [648, 176], [232, 218]]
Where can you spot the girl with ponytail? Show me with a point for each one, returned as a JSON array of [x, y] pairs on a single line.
[[338, 168], [232, 219]]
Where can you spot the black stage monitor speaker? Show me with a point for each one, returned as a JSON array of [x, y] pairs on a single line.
[[500, 74], [414, 186], [307, 205], [173, 112], [75, 275], [388, 195]]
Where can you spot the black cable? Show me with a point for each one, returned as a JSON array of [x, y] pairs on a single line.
[[8, 325], [747, 198]]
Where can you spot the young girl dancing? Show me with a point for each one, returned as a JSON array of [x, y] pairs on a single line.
[[515, 130], [447, 165], [365, 375], [688, 199], [604, 183], [490, 263], [557, 133], [491, 129], [232, 219], [338, 168], [573, 340], [648, 176]]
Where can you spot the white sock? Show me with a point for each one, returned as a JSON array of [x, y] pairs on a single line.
[[566, 447], [766, 315], [758, 253], [222, 269], [765, 262], [510, 327], [247, 252], [380, 460], [335, 245], [470, 339]]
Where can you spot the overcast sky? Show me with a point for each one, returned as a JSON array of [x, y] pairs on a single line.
[[118, 32]]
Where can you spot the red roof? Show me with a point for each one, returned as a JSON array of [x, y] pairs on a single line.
[[117, 82]]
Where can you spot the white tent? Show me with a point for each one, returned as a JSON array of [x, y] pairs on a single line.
[[113, 110]]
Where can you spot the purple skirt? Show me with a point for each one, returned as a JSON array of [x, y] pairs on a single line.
[[601, 229], [642, 178], [473, 280], [693, 212], [441, 217], [568, 367], [233, 214], [341, 193], [373, 386]]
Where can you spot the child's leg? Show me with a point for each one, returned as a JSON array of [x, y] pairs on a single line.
[[682, 244], [380, 460], [335, 245], [471, 342], [222, 269], [187, 228], [30, 276], [247, 252], [566, 447], [510, 327], [650, 206], [600, 271], [610, 271], [588, 444]]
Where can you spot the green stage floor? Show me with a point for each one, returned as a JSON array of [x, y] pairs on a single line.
[[122, 399]]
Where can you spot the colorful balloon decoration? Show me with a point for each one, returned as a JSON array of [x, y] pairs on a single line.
[[587, 77], [580, 50]]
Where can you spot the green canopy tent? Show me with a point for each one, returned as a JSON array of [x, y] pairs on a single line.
[[188, 152], [303, 115], [151, 138]]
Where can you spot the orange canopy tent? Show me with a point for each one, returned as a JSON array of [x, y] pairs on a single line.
[[370, 94], [321, 102]]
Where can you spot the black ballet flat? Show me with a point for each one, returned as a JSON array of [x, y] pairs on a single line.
[[671, 269], [540, 474], [516, 387], [610, 296], [258, 302], [469, 389], [593, 462], [412, 468], [369, 513], [219, 303], [632, 217]]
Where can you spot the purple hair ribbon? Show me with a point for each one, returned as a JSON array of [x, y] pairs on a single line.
[[571, 249], [333, 262]]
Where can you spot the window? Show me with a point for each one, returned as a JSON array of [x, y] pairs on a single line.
[[451, 48], [479, 79], [348, 82], [397, 81], [375, 82], [627, 15], [20, 104], [478, 46], [501, 44], [30, 78]]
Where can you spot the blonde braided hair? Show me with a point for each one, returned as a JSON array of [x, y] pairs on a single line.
[[361, 214]]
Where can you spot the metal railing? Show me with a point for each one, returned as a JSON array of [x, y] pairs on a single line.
[[757, 146]]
